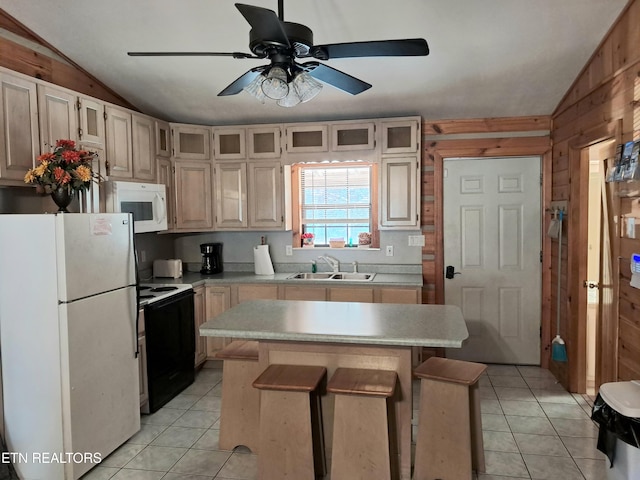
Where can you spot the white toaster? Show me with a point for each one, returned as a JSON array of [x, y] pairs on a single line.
[[171, 268]]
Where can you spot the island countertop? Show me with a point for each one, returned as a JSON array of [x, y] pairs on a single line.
[[342, 322]]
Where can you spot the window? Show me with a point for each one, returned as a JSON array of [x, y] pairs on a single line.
[[335, 201]]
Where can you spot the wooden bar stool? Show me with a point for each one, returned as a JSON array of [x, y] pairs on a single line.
[[240, 410], [449, 443], [291, 440], [364, 445]]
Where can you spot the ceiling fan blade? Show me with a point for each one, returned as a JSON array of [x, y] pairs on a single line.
[[242, 81], [335, 78], [379, 48], [264, 23], [192, 54]]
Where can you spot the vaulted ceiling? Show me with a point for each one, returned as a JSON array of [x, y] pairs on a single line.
[[489, 58]]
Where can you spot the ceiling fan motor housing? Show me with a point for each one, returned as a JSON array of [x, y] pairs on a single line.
[[300, 38]]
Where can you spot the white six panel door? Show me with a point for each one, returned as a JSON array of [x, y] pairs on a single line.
[[491, 211]]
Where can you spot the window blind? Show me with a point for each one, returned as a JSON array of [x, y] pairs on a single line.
[[335, 201]]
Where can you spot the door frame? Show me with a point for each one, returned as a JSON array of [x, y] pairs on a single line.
[[577, 265], [502, 147]]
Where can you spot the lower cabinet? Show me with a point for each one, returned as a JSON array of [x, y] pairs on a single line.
[[199, 315], [351, 294], [217, 300], [255, 292], [294, 292], [142, 363]]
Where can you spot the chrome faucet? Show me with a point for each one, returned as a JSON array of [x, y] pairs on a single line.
[[333, 262]]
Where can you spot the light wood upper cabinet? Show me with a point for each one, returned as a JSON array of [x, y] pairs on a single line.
[[264, 142], [119, 144], [143, 147], [239, 143], [19, 132], [164, 171], [91, 116], [249, 196], [229, 143], [353, 136], [307, 138], [57, 116], [194, 195], [231, 195], [400, 190], [265, 195], [191, 142], [400, 136], [163, 139]]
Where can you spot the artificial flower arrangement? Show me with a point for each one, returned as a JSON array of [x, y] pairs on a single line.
[[64, 167], [307, 239]]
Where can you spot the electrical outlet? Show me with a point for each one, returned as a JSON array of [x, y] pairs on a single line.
[[288, 250], [389, 250]]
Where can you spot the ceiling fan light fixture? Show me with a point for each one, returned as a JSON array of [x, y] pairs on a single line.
[[255, 88], [306, 86], [275, 84], [291, 100]]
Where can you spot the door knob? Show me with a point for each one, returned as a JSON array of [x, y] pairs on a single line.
[[450, 272], [588, 284]]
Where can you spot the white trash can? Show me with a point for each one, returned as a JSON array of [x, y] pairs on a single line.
[[617, 412]]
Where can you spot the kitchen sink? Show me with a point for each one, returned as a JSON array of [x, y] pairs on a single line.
[[358, 277], [364, 277], [310, 276]]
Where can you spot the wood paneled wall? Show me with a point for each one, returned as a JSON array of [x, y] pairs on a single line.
[[603, 103], [483, 137], [54, 67]]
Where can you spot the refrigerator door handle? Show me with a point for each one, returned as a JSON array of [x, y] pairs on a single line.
[[136, 352]]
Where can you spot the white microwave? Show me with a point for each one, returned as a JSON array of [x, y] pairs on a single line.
[[147, 202]]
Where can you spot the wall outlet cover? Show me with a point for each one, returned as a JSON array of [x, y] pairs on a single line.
[[389, 250], [288, 250]]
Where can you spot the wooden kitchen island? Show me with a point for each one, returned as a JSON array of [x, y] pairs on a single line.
[[355, 335]]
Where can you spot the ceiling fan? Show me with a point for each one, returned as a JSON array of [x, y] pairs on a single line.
[[286, 80]]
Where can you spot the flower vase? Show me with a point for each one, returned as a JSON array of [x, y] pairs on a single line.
[[307, 243], [62, 197]]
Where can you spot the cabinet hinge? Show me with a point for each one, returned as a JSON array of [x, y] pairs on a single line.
[[104, 115], [80, 132], [173, 169], [540, 256], [78, 104], [281, 169], [540, 331]]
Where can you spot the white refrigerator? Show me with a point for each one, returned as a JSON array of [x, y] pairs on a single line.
[[68, 340]]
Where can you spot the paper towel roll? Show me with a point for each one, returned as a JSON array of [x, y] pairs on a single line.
[[262, 260]]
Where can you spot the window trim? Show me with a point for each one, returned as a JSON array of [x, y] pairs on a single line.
[[296, 195]]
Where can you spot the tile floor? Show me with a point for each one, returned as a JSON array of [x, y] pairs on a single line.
[[533, 429]]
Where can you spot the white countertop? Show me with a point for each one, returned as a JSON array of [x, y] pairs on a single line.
[[342, 322]]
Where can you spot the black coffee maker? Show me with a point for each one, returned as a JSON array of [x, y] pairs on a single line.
[[211, 258]]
